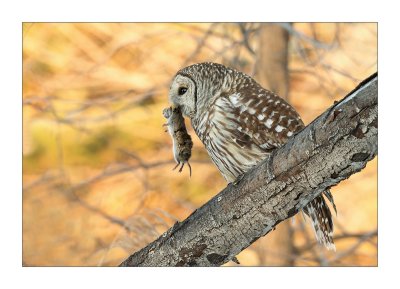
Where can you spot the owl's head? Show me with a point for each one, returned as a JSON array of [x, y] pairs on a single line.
[[194, 87], [183, 93]]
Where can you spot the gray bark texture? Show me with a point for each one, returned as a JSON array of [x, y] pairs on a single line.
[[334, 146]]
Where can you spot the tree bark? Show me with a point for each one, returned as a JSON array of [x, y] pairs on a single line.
[[334, 146], [272, 73]]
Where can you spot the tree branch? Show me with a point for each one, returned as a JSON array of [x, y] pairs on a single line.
[[334, 146]]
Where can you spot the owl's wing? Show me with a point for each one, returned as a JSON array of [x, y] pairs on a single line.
[[263, 119]]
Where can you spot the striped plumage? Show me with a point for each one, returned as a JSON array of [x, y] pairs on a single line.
[[240, 123]]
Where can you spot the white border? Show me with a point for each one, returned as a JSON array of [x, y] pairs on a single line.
[[11, 31]]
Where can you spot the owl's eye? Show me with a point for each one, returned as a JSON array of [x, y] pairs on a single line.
[[182, 90]]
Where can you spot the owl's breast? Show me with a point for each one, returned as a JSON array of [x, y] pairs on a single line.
[[230, 150]]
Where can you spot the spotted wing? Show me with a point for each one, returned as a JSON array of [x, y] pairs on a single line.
[[266, 120], [263, 118]]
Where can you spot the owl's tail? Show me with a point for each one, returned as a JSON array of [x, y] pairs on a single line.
[[321, 218]]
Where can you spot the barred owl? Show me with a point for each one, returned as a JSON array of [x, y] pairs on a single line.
[[240, 123]]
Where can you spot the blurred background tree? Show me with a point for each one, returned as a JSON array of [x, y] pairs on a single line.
[[97, 164]]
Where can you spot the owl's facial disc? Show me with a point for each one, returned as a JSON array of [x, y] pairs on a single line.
[[182, 94]]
